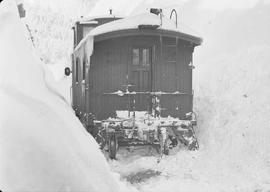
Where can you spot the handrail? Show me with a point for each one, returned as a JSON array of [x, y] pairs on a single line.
[[174, 11]]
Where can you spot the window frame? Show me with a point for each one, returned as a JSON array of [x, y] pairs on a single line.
[[138, 56], [84, 69], [141, 58], [77, 63]]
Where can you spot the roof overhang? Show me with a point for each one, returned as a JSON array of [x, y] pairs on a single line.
[[94, 19], [144, 24], [148, 32], [92, 22]]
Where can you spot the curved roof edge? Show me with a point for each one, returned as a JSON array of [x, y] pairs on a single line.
[[129, 26], [159, 32], [92, 19]]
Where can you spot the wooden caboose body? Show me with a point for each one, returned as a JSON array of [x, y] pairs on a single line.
[[140, 56]]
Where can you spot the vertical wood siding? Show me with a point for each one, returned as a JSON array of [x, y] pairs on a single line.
[[111, 68]]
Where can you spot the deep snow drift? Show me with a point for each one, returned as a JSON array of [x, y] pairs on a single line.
[[232, 96], [43, 146], [233, 133]]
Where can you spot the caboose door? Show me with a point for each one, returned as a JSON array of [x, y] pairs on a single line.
[[141, 76]]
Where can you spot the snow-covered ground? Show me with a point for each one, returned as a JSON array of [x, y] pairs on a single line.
[[232, 98], [43, 146]]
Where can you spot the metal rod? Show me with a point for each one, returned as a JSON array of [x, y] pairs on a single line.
[[174, 11]]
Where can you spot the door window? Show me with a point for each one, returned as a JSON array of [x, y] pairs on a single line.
[[136, 56], [141, 76], [141, 56], [145, 57]]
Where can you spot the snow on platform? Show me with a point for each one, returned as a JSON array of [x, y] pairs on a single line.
[[231, 98]]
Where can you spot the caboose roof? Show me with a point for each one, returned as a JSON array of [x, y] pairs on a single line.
[[131, 24], [94, 18], [143, 19]]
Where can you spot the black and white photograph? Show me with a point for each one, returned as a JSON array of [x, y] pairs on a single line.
[[135, 96]]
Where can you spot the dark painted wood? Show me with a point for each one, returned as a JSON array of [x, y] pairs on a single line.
[[111, 67]]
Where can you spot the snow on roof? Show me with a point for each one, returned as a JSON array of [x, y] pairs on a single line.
[[134, 21], [143, 19], [89, 22], [91, 18]]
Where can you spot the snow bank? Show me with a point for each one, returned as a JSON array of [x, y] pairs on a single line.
[[232, 99], [50, 23], [231, 84], [118, 7], [233, 131], [43, 146]]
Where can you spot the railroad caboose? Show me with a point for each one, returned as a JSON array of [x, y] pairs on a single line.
[[132, 80]]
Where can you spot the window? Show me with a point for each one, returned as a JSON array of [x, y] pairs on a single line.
[[141, 56], [77, 70], [170, 53], [170, 49], [145, 57], [74, 37], [136, 57], [84, 70]]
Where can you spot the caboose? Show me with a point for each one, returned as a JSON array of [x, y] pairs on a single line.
[[132, 81]]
